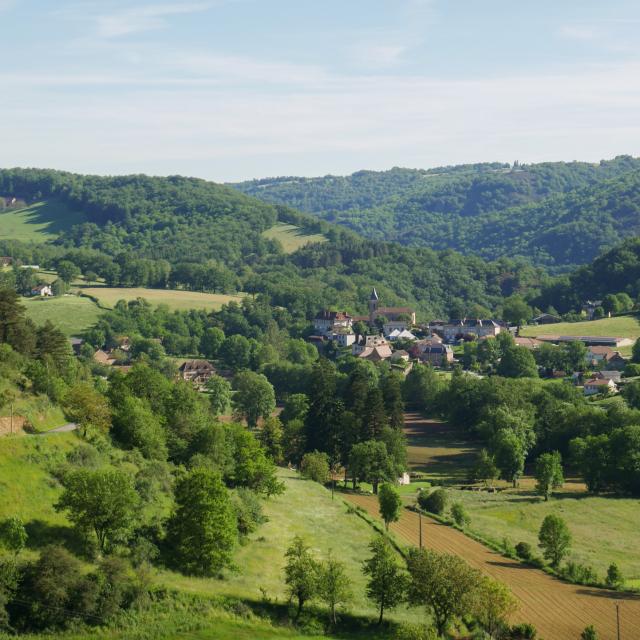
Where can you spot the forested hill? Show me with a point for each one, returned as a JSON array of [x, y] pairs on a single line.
[[554, 214], [193, 234]]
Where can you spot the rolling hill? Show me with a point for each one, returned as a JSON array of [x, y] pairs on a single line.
[[554, 214], [194, 235]]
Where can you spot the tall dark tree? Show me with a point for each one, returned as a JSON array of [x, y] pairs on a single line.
[[374, 417], [394, 405], [324, 409]]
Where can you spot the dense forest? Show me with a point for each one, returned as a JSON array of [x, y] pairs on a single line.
[[557, 215], [189, 233]]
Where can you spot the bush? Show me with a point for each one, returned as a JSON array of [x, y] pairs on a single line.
[[315, 466], [248, 509], [523, 550], [409, 631], [459, 514], [589, 633], [508, 548], [614, 578], [524, 631], [579, 573], [434, 502]]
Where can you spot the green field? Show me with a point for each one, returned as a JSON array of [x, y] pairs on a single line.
[[305, 509], [39, 222], [444, 455], [618, 326], [181, 300], [291, 237], [71, 314]]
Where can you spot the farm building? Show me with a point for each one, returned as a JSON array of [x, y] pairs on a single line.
[[590, 341], [458, 329], [196, 371]]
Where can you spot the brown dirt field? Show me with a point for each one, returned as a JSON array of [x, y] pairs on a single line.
[[5, 425], [559, 611]]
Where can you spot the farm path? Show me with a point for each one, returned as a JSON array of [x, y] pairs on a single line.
[[559, 610]]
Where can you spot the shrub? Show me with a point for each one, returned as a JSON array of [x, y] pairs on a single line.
[[434, 502], [579, 573], [459, 514], [523, 550], [524, 631], [508, 548], [615, 578], [589, 633], [315, 466]]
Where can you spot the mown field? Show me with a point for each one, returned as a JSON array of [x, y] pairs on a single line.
[[618, 326], [71, 314], [109, 296], [39, 222], [291, 237], [444, 455]]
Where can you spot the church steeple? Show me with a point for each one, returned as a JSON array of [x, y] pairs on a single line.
[[373, 306]]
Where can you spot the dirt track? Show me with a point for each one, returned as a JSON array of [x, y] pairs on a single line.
[[560, 611]]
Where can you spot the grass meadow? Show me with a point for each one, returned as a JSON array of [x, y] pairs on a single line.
[[71, 314], [174, 299], [39, 222], [618, 326], [443, 455], [291, 237], [305, 509]]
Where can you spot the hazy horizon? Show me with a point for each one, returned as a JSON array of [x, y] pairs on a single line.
[[232, 90]]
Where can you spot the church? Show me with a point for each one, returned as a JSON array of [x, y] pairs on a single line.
[[395, 318]]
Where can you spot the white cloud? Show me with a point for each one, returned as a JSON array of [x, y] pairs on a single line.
[[380, 56], [143, 18], [579, 32]]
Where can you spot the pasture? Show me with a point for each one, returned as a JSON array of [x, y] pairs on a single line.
[[174, 299], [38, 222], [442, 454], [305, 509], [618, 326], [558, 610], [71, 314], [291, 237]]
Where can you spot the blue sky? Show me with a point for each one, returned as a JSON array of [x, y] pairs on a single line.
[[235, 89]]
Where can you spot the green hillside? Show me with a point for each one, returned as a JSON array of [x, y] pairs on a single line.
[[39, 222], [555, 214]]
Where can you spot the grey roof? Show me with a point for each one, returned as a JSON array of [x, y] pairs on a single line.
[[374, 294]]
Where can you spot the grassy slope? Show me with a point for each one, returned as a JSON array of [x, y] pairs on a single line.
[[108, 296], [71, 314], [291, 237], [517, 514], [27, 488], [305, 509], [39, 222], [619, 326]]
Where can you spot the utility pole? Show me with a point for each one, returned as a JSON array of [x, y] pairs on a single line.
[[12, 418], [420, 527], [618, 618]]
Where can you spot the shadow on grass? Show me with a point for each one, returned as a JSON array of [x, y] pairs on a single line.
[[43, 533]]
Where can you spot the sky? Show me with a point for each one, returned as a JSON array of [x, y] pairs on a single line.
[[237, 89]]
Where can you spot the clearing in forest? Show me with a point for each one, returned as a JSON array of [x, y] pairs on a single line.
[[174, 299], [291, 237], [38, 222]]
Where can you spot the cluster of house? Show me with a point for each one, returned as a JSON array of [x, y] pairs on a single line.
[[391, 325]]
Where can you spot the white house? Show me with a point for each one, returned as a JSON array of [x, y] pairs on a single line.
[[343, 338], [42, 290], [599, 385]]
